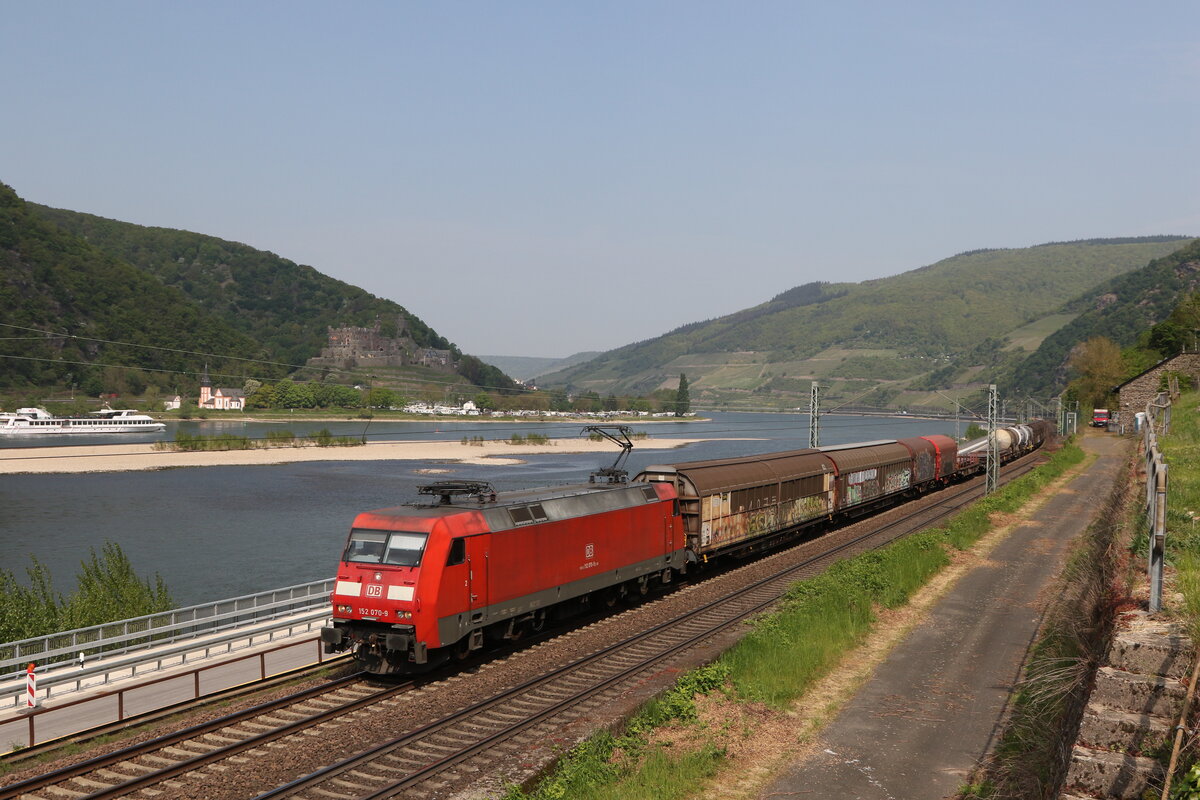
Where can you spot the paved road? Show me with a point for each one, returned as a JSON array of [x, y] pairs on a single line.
[[933, 708]]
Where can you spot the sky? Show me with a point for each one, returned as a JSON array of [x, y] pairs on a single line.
[[544, 178]]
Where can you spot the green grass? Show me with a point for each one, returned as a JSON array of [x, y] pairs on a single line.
[[1181, 448]]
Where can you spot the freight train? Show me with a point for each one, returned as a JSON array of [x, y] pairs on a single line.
[[420, 583]]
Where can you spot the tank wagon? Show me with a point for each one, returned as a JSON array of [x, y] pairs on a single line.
[[420, 583]]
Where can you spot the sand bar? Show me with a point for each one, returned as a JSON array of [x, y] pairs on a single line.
[[124, 457]]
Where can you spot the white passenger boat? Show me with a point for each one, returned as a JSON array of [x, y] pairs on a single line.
[[38, 420]]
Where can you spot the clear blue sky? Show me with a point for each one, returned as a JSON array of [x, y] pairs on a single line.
[[539, 178]]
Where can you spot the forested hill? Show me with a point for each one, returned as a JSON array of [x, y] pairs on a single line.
[[921, 320], [284, 306], [52, 280], [1121, 309]]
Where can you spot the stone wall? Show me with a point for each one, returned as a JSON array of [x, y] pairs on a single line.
[[1137, 392]]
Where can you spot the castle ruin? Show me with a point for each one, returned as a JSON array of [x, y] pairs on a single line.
[[351, 346]]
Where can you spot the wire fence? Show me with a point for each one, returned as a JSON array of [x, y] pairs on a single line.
[[1157, 421]]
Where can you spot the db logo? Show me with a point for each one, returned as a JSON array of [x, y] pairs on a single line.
[[589, 551], [374, 590]]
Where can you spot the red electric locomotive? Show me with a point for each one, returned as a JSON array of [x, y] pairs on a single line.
[[417, 583]]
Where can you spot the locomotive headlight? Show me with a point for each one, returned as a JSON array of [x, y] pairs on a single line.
[[344, 609]]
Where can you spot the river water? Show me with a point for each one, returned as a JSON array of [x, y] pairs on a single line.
[[215, 532]]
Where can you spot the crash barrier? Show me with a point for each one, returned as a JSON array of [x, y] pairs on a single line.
[[77, 647], [1158, 420]]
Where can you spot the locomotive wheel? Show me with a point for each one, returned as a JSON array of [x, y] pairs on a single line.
[[462, 648]]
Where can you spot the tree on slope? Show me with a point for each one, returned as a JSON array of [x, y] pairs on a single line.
[[1098, 366], [683, 399]]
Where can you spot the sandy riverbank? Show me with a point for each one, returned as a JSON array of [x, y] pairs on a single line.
[[123, 457]]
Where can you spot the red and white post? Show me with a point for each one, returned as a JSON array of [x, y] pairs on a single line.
[[31, 700]]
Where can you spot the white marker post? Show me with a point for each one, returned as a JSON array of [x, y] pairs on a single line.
[[31, 700]]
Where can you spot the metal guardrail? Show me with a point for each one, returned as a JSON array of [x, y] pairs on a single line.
[[66, 678], [124, 636], [1157, 420]]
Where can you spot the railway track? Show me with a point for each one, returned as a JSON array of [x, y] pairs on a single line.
[[461, 744], [145, 764]]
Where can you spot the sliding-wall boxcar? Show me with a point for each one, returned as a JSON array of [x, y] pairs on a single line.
[[732, 504], [870, 473]]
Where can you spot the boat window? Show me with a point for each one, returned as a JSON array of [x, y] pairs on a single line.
[[385, 547]]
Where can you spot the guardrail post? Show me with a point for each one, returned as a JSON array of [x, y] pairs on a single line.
[[1158, 534]]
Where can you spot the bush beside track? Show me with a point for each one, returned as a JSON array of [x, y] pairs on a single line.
[[816, 624]]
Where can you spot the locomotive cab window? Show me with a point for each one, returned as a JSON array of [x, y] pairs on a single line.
[[458, 552], [401, 549]]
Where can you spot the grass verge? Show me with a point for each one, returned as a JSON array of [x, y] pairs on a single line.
[[816, 624]]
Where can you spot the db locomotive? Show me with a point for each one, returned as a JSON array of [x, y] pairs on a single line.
[[418, 584]]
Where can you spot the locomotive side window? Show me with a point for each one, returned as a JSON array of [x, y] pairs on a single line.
[[385, 547], [458, 552]]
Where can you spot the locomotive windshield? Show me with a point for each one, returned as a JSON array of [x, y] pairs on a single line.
[[402, 549]]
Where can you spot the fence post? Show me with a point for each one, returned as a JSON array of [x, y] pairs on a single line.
[[1158, 534]]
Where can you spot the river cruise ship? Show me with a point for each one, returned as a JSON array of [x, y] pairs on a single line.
[[109, 420]]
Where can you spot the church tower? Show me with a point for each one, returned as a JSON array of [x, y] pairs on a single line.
[[205, 388]]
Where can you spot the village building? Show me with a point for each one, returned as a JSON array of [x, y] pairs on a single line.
[[220, 398]]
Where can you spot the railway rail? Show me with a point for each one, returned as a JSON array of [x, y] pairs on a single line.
[[458, 745]]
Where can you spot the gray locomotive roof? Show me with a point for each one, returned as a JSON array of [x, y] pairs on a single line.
[[513, 509]]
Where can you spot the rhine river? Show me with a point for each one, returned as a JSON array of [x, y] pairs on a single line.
[[217, 532]]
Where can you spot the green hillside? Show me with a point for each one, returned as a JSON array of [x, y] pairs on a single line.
[[284, 306], [1121, 309], [51, 280], [938, 327]]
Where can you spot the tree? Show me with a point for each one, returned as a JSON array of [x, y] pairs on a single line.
[[1098, 366], [379, 397], [683, 399]]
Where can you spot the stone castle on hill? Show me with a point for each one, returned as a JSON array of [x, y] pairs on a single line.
[[351, 347]]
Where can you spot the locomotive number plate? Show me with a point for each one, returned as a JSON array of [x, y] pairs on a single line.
[[372, 612]]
